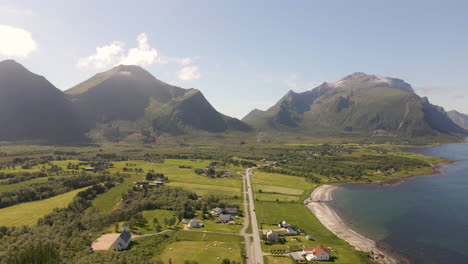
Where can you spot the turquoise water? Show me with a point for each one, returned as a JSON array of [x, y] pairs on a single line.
[[424, 219]]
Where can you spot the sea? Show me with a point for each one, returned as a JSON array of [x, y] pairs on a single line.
[[423, 220]]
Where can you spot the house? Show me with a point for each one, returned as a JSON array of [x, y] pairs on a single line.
[[122, 242], [158, 183], [224, 218], [272, 236], [88, 169], [292, 231], [231, 210], [142, 183], [184, 167], [308, 237], [216, 211], [195, 223], [161, 179], [184, 221], [283, 224], [317, 253], [227, 174]]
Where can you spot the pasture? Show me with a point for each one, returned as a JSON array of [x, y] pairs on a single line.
[[203, 248], [28, 213], [279, 187]]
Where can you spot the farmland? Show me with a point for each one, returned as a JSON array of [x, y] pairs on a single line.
[[28, 213]]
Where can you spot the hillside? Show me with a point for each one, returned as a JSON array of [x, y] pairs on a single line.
[[459, 118], [31, 108], [359, 104], [252, 115], [128, 99]]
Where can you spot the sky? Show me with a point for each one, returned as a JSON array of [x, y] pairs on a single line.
[[245, 54]]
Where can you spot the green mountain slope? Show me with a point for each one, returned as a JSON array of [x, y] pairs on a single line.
[[358, 104], [459, 118], [131, 100], [31, 108]]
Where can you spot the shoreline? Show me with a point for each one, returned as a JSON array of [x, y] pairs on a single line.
[[317, 204]]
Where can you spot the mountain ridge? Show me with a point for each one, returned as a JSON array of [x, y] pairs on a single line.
[[358, 104], [459, 118]]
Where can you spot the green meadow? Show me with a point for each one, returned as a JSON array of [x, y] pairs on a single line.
[[203, 248], [28, 213]]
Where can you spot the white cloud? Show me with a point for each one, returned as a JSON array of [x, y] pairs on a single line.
[[143, 55], [16, 42], [114, 53], [189, 73], [105, 56]]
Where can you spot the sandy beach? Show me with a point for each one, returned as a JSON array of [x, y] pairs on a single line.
[[317, 203]]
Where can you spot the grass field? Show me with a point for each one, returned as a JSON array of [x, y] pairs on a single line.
[[270, 213], [210, 225], [276, 197], [28, 213], [277, 260], [11, 187], [284, 184], [204, 248], [279, 187]]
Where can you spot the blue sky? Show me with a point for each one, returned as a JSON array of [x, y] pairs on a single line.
[[246, 54]]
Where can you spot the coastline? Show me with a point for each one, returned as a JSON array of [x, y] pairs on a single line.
[[317, 204]]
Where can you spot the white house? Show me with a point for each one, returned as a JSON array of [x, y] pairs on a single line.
[[122, 242], [317, 253], [195, 223]]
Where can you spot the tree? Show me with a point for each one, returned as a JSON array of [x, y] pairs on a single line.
[[40, 254], [158, 228]]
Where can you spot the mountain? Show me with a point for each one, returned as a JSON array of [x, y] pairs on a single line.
[[459, 118], [357, 104], [128, 99], [31, 108], [252, 115]]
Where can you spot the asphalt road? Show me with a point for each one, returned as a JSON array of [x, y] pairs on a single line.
[[256, 253]]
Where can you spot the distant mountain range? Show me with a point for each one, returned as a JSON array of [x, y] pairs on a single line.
[[127, 102], [358, 104], [459, 118]]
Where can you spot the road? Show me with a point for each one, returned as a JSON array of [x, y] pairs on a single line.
[[255, 248]]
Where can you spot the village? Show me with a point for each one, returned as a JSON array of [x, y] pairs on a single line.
[[212, 221]]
